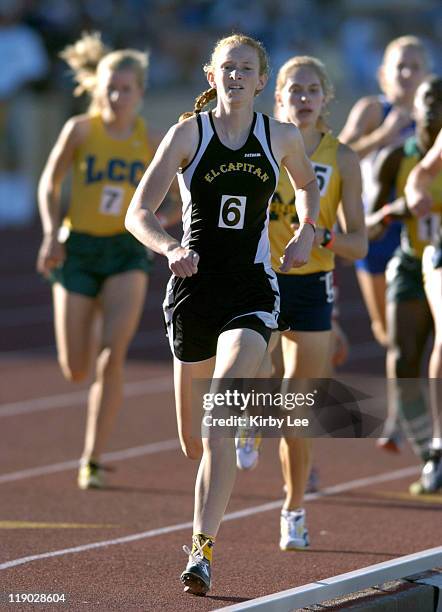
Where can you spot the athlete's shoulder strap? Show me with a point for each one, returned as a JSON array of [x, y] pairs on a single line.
[[385, 104], [263, 125], [205, 133], [200, 138]]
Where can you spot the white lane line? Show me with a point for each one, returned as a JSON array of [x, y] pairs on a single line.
[[339, 488], [74, 398], [121, 455]]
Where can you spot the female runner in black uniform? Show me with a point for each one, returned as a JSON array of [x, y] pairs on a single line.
[[222, 301]]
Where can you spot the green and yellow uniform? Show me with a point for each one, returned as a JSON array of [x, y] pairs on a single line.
[[418, 232], [106, 172], [404, 271]]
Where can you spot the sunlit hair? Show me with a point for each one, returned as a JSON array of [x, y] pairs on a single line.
[[89, 58], [403, 42], [319, 69], [235, 40]]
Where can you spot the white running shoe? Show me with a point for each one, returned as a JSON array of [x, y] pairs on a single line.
[[431, 476], [248, 445], [294, 533]]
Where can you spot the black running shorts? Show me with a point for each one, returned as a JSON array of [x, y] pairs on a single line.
[[197, 309]]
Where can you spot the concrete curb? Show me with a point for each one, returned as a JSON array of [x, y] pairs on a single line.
[[418, 593]]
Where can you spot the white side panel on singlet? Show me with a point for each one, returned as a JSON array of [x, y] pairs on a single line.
[[185, 177], [263, 250]]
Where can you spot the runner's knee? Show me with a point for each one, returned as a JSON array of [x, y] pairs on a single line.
[[72, 373], [109, 362]]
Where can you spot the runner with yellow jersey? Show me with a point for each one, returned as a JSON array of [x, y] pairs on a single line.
[[97, 269], [283, 217], [106, 172]]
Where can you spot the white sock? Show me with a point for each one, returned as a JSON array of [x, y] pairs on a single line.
[[298, 512]]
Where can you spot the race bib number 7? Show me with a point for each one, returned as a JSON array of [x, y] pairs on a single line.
[[111, 202], [232, 212]]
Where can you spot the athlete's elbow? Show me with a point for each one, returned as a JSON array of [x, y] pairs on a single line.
[[129, 221], [358, 248]]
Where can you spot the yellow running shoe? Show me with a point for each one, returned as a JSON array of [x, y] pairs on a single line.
[[197, 575], [90, 476]]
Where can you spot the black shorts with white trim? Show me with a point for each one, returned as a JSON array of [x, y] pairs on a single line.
[[199, 308]]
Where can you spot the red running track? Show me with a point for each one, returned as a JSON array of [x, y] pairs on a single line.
[[150, 495]]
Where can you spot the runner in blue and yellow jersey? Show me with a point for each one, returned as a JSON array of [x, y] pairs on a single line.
[[376, 122], [302, 93], [97, 269]]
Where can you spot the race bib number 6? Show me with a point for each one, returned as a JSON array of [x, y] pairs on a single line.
[[232, 212], [111, 200]]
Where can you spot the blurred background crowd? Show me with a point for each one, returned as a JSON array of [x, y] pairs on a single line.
[[349, 36]]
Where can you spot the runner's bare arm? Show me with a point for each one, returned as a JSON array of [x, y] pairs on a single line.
[[51, 253], [56, 168], [366, 130], [379, 206], [420, 178], [352, 243], [176, 148], [289, 148]]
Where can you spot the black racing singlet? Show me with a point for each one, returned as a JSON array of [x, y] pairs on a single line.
[[226, 195]]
